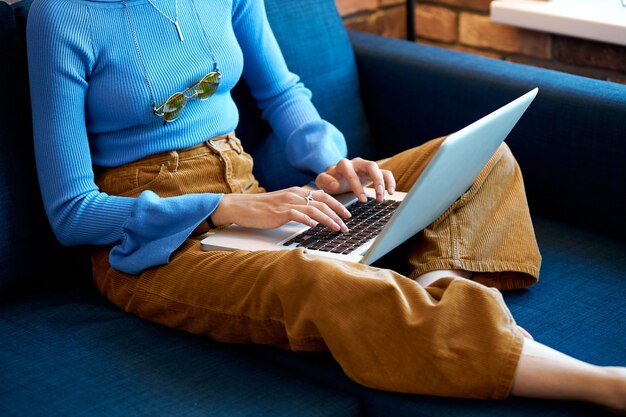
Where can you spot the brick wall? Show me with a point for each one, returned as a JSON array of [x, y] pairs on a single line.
[[464, 25]]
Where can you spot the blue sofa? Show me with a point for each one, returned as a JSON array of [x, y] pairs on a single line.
[[67, 351]]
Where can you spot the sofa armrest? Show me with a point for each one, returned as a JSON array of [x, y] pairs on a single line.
[[571, 143]]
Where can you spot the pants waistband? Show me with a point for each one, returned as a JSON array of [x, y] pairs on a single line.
[[216, 144]]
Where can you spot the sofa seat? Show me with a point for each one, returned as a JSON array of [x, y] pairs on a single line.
[[67, 351], [71, 352]]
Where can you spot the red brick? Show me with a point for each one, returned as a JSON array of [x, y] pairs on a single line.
[[588, 53], [384, 3], [348, 7], [436, 23], [478, 5], [389, 22], [392, 22], [478, 31], [363, 23]]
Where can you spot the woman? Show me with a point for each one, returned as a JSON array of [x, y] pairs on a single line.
[[140, 177]]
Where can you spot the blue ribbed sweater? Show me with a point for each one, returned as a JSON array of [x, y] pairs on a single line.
[[91, 106]]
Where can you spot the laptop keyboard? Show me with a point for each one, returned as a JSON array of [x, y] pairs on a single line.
[[367, 221]]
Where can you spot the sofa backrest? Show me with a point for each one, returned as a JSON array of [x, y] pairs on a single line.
[[315, 44], [316, 47], [28, 250]]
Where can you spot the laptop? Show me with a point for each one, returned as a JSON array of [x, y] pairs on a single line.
[[376, 227]]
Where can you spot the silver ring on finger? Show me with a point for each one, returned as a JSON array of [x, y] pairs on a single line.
[[309, 197]]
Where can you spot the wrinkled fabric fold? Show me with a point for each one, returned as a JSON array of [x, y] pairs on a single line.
[[455, 337]]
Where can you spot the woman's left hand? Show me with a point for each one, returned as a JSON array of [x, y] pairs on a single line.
[[353, 175]]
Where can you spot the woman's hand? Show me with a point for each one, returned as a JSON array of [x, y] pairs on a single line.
[[273, 209], [352, 175]]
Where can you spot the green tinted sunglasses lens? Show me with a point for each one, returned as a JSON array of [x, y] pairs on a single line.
[[208, 85], [173, 107]]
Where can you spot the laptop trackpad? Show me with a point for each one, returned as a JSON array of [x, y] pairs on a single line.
[[237, 237]]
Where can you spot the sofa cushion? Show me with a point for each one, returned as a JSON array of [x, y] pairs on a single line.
[[570, 143], [26, 234], [8, 187], [73, 353], [24, 226], [330, 73]]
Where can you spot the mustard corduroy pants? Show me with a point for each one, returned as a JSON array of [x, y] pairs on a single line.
[[455, 337]]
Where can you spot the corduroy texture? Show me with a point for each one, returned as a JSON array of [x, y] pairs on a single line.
[[454, 338], [486, 231]]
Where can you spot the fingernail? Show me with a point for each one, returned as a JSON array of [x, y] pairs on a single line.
[[363, 197], [392, 190]]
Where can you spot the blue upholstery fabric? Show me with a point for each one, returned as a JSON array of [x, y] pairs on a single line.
[[24, 226], [331, 75], [580, 298], [578, 302], [570, 143], [8, 188], [69, 352], [72, 353]]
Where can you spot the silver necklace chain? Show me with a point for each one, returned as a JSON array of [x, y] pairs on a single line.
[[174, 21], [216, 67]]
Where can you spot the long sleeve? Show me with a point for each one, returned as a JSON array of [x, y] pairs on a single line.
[[311, 143], [143, 231], [91, 95]]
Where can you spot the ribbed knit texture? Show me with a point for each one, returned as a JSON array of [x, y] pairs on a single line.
[[91, 104]]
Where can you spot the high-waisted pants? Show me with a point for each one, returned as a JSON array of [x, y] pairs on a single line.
[[455, 337]]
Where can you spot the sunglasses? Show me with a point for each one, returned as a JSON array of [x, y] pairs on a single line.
[[174, 105], [203, 89]]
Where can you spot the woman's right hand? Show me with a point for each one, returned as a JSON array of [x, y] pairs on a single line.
[[273, 209]]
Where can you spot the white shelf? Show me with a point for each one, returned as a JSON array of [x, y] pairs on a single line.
[[598, 20]]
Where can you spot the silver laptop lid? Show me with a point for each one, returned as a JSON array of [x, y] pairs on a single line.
[[453, 169]]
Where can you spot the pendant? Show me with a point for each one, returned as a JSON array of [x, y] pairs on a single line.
[[180, 32]]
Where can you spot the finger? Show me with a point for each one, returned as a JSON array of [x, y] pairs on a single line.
[[327, 182], [298, 195], [301, 195], [390, 181], [346, 169], [330, 208], [373, 171], [332, 202], [324, 212], [300, 217], [324, 215]]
